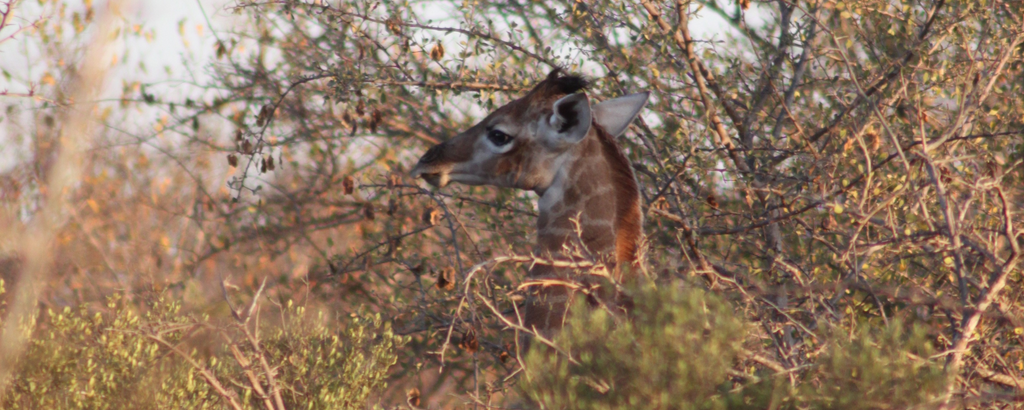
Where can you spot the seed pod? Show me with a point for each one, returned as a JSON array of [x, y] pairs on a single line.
[[270, 162], [349, 184], [265, 113], [375, 119], [233, 160], [368, 211], [263, 165], [246, 147], [393, 244], [437, 53], [392, 206]]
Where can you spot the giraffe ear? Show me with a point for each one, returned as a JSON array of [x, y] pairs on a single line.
[[616, 114], [571, 119]]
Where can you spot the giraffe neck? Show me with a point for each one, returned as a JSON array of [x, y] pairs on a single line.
[[595, 186]]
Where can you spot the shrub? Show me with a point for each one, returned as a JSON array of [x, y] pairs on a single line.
[[679, 349], [673, 352], [166, 359]]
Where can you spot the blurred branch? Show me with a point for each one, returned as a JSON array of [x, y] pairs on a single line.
[[206, 374], [31, 94], [38, 241]]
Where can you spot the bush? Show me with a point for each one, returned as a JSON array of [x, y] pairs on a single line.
[[165, 359], [673, 352], [677, 349]]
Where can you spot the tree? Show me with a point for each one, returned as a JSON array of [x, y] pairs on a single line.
[[819, 166]]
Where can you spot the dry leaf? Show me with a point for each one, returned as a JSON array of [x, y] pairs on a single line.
[[446, 279], [712, 202], [661, 204], [432, 216], [413, 397], [469, 341], [828, 223], [873, 141]]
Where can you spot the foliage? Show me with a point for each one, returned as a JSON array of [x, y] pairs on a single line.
[[671, 352], [675, 348], [886, 368], [164, 359]]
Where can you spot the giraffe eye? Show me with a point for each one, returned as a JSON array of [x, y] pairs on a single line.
[[498, 138]]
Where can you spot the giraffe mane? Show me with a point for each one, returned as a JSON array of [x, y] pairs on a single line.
[[566, 84], [629, 218]]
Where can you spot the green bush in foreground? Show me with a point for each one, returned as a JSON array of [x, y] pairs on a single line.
[[164, 359], [676, 350], [673, 352]]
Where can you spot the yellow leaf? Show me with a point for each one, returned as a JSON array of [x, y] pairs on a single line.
[[838, 209], [93, 205]]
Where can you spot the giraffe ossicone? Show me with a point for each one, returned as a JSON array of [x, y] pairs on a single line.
[[554, 142]]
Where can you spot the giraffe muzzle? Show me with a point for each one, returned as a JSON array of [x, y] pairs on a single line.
[[434, 175]]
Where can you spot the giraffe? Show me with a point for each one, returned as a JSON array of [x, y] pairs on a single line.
[[553, 142]]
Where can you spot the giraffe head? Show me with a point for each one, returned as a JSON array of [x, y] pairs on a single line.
[[525, 142]]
